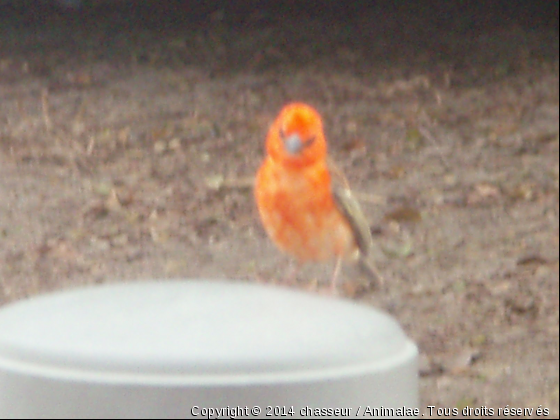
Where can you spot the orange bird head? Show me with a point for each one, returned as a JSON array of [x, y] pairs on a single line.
[[296, 138]]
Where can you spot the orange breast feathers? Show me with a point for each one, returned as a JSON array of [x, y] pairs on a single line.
[[294, 192]]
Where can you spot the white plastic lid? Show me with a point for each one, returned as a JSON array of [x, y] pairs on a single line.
[[195, 336]]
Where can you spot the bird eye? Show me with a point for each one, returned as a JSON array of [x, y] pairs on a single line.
[[309, 142]]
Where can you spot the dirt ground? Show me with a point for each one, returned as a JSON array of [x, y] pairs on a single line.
[[128, 146]]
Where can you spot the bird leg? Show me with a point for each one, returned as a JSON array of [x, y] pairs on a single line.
[[293, 271], [335, 274]]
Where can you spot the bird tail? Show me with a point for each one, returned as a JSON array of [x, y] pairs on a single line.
[[366, 266]]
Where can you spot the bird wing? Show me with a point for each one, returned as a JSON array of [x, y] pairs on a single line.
[[350, 208]]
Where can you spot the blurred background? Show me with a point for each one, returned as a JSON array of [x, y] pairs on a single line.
[[131, 131]]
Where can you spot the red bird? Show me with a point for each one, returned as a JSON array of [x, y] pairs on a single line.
[[303, 210]]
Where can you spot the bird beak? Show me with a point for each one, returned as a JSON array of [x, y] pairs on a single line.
[[293, 143]]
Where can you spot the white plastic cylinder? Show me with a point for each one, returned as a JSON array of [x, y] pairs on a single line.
[[188, 348]]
